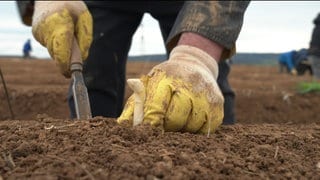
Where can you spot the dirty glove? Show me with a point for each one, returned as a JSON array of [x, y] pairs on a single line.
[[294, 72], [56, 23], [181, 94]]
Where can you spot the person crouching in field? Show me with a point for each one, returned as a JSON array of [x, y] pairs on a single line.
[[286, 62], [295, 62]]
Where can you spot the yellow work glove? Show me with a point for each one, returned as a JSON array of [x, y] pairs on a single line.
[[181, 94], [56, 23], [294, 72]]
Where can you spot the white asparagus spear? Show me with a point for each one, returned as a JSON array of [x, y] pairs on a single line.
[[139, 97]]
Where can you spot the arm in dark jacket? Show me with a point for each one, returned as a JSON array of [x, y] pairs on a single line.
[[219, 21]]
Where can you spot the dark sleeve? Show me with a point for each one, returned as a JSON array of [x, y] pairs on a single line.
[[25, 9], [219, 21]]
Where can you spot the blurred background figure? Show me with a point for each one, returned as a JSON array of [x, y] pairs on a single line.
[[286, 62], [295, 62], [314, 49], [27, 49]]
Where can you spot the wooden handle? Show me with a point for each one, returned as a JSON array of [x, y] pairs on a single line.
[[75, 52]]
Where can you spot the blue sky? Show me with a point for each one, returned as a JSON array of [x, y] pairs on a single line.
[[269, 26]]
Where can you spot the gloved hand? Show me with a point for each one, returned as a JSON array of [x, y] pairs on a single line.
[[56, 23], [294, 72], [182, 93]]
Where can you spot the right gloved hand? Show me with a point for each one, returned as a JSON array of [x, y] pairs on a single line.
[[181, 94], [56, 23]]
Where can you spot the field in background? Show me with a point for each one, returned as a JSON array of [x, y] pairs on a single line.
[[240, 58]]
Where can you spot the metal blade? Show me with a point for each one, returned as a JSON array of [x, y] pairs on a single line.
[[80, 96]]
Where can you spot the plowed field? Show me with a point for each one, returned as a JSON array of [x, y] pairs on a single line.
[[277, 135]]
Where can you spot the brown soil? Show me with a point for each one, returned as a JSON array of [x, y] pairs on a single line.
[[277, 135]]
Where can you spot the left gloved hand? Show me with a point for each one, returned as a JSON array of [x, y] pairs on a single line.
[[56, 23], [181, 94]]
